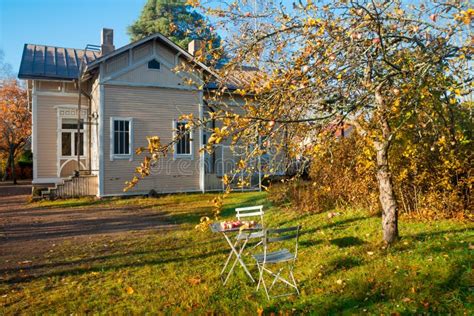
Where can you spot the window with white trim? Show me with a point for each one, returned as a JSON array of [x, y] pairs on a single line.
[[121, 132], [70, 137], [183, 147]]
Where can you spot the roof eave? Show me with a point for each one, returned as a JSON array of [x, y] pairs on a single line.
[[34, 77]]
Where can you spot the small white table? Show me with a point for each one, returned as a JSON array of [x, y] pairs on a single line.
[[217, 228]]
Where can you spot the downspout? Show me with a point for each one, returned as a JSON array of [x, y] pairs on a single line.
[[78, 171], [89, 122]]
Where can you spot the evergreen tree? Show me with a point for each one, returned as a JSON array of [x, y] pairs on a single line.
[[176, 20]]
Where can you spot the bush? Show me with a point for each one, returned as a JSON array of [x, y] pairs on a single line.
[[338, 177], [432, 177]]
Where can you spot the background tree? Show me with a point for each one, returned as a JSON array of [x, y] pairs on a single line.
[[175, 19], [15, 123], [6, 71]]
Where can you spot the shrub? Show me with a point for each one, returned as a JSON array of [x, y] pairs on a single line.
[[431, 171]]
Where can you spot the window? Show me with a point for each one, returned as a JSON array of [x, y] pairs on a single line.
[[154, 64], [121, 135], [183, 147], [70, 138]]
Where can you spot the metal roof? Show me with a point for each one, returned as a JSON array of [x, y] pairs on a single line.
[[51, 62]]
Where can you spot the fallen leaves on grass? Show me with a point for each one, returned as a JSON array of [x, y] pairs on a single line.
[[194, 280], [130, 290]]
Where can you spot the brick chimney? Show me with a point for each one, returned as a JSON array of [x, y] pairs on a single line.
[[107, 41], [195, 48]]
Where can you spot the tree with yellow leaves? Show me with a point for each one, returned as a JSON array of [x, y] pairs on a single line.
[[376, 65]]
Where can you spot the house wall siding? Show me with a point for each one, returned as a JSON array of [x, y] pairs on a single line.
[[153, 111], [164, 76], [47, 132]]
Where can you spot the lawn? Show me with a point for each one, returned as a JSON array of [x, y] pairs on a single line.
[[342, 267]]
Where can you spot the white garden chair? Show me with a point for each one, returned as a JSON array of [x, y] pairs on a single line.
[[247, 213], [282, 257], [243, 238]]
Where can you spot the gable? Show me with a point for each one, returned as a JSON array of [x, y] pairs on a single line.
[[132, 67]]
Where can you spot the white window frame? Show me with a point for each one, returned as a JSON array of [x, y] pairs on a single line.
[[175, 145], [73, 133], [112, 139]]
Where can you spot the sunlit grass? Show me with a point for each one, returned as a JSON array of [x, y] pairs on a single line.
[[342, 266]]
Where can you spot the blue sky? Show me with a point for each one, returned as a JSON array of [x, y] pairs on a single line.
[[65, 23]]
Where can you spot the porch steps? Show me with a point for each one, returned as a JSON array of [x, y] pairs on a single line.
[[84, 185]]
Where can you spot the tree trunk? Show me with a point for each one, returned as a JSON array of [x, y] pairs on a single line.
[[5, 174], [386, 194], [12, 161], [384, 177]]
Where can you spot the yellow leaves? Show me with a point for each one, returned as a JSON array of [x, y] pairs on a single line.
[[242, 92], [203, 224], [466, 17], [195, 280], [312, 22], [154, 143], [399, 11], [131, 184], [193, 3], [129, 290], [214, 139], [242, 164], [226, 179]]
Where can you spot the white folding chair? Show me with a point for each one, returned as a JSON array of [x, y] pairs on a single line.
[[247, 213], [243, 237], [278, 257]]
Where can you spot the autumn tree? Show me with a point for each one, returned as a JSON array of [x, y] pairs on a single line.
[[376, 65], [175, 19], [372, 64], [15, 123]]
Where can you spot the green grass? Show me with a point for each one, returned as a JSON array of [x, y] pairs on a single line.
[[342, 267]]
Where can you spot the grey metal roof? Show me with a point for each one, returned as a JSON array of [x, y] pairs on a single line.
[[50, 62]]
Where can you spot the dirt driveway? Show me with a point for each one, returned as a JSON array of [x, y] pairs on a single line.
[[28, 232]]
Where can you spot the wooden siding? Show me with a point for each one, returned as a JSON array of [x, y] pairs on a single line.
[[47, 132], [163, 77], [141, 52], [153, 111], [116, 63]]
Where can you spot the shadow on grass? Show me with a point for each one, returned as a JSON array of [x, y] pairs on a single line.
[[427, 235], [349, 241], [344, 263], [338, 224], [309, 243], [76, 268]]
